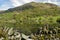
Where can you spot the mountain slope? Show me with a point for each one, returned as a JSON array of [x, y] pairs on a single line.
[[30, 16]]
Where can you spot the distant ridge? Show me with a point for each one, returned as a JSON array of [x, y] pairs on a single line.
[[31, 5]]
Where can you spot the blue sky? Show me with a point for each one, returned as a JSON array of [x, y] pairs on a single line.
[[6, 4]]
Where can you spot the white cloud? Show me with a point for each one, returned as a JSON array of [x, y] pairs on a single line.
[[27, 1], [19, 2], [47, 1], [54, 2], [4, 7], [16, 3], [58, 3], [50, 1]]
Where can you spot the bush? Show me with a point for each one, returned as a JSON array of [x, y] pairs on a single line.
[[58, 20]]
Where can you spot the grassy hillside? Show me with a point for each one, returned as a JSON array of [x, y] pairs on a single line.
[[31, 16]]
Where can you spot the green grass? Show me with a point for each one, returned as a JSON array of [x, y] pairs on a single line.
[[30, 18]]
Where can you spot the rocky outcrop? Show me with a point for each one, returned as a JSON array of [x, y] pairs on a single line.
[[43, 33], [11, 34]]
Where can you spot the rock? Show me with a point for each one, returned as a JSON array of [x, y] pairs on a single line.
[[1, 38], [26, 37], [10, 32], [6, 29], [17, 35]]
